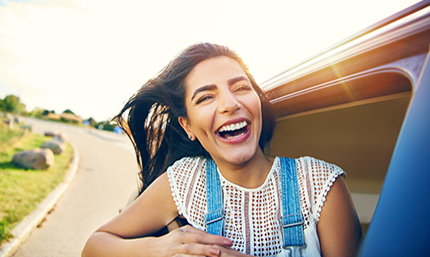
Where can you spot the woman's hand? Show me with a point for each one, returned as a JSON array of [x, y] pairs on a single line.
[[122, 236], [184, 241], [189, 241]]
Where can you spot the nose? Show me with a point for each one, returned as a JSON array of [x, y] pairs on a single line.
[[228, 103]]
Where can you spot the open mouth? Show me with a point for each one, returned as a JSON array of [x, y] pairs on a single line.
[[233, 130]]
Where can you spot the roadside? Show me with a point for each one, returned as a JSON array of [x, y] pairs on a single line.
[[22, 231], [105, 179]]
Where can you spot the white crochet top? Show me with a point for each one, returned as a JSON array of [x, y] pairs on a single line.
[[252, 214]]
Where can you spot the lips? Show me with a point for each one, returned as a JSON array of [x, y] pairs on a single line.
[[234, 132]]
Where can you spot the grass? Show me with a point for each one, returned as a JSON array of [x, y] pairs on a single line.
[[21, 190]]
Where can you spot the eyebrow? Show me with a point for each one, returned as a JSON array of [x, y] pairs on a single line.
[[203, 88], [236, 79], [213, 86]]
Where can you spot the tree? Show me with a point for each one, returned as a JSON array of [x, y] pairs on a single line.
[[12, 104], [68, 111], [92, 122], [105, 125], [46, 112], [37, 112]]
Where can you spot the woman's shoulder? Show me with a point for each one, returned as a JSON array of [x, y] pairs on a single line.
[[319, 176], [313, 165], [183, 170], [185, 177], [186, 163]]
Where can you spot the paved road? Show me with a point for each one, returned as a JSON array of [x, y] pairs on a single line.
[[105, 180]]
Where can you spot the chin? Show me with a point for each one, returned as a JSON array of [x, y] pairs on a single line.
[[239, 159]]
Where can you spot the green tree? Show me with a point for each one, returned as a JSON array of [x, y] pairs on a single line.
[[105, 125], [36, 112], [12, 104], [68, 111], [92, 122], [45, 112]]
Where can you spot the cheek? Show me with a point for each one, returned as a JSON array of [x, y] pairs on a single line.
[[260, 117], [256, 106], [200, 120], [258, 113]]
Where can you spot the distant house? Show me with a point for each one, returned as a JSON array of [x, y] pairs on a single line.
[[71, 118], [52, 116], [66, 117]]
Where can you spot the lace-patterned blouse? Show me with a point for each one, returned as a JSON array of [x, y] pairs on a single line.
[[252, 214]]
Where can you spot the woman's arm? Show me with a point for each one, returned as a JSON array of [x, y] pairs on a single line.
[[339, 228], [153, 210]]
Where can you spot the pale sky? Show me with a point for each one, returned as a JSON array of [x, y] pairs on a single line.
[[90, 56]]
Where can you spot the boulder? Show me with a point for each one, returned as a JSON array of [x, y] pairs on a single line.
[[38, 159], [55, 145], [57, 135], [51, 133], [62, 137], [26, 127]]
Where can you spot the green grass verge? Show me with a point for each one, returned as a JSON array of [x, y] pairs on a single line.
[[22, 190]]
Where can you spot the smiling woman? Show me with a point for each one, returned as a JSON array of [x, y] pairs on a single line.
[[200, 128]]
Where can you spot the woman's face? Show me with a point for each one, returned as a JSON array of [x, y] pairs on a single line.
[[224, 111]]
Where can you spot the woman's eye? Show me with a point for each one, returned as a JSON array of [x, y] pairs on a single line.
[[243, 87], [203, 98]]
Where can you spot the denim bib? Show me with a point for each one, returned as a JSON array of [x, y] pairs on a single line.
[[291, 217]]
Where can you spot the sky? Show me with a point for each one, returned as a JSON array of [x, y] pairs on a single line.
[[90, 56]]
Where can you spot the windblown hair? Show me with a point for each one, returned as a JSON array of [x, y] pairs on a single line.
[[152, 124]]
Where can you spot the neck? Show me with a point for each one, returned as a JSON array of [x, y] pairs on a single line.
[[249, 174]]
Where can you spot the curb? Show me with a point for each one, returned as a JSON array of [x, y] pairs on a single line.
[[22, 231]]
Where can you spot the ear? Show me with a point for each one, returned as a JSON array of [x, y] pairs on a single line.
[[185, 124]]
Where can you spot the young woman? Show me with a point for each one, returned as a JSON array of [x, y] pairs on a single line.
[[204, 116]]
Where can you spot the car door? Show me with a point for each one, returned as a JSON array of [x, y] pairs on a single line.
[[364, 105]]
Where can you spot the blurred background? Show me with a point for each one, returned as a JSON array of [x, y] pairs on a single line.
[[87, 57]]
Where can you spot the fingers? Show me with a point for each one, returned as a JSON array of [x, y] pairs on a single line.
[[193, 235], [199, 249], [189, 241], [228, 252]]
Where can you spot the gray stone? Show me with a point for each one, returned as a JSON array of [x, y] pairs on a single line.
[[55, 145], [38, 159], [51, 133], [62, 137]]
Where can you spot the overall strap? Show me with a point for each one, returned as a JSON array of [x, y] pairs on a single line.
[[291, 220], [215, 216]]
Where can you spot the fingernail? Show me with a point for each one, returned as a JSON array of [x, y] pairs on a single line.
[[214, 250], [227, 242]]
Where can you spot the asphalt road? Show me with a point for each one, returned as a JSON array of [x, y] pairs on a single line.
[[104, 182]]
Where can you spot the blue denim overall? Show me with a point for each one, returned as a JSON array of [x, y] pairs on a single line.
[[291, 220]]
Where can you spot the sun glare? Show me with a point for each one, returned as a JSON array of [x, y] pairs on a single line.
[[60, 53]]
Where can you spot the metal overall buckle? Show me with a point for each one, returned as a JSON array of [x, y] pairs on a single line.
[[293, 247], [295, 251]]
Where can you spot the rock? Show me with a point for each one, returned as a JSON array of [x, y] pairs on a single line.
[[26, 127], [38, 159], [17, 120], [57, 135], [62, 137], [55, 145], [51, 133]]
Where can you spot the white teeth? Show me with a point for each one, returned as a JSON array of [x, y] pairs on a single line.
[[232, 127]]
